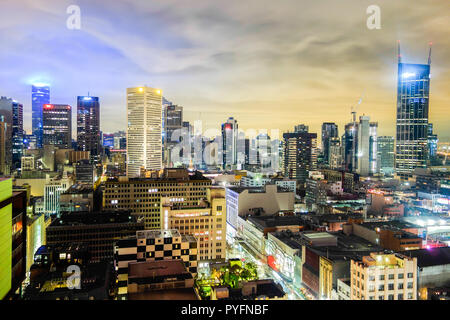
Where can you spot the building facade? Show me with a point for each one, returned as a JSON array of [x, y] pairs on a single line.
[[40, 95], [88, 125], [384, 277], [57, 125], [413, 89]]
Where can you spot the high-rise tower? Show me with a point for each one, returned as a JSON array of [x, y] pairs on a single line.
[[144, 119], [412, 116], [88, 125], [40, 95]]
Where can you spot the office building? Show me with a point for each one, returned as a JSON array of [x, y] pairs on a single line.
[[12, 238], [143, 195], [6, 116], [230, 142], [40, 95], [350, 146], [144, 132], [384, 277], [78, 197], [27, 163], [5, 236], [57, 125], [413, 90], [85, 172], [329, 131], [207, 222], [300, 155], [267, 200], [17, 134], [88, 125], [386, 155], [52, 191], [97, 231], [172, 121], [366, 147], [432, 143], [335, 152]]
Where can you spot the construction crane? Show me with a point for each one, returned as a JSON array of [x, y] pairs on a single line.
[[355, 108]]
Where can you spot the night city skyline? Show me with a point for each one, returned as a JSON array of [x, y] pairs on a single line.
[[236, 61], [255, 154]]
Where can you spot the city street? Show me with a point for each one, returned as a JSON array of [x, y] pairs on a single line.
[[238, 250]]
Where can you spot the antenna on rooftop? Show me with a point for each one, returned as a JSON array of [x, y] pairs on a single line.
[[429, 54]]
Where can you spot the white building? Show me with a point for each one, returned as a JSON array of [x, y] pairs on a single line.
[[241, 201], [52, 193], [144, 140]]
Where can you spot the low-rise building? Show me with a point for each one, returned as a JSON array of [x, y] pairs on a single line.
[[154, 245], [380, 276], [159, 280]]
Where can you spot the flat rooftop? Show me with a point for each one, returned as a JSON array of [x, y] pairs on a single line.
[[153, 234], [430, 257], [93, 218], [262, 222], [169, 294], [347, 245], [151, 269], [390, 225]]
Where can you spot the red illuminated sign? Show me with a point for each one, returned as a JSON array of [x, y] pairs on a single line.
[[272, 263]]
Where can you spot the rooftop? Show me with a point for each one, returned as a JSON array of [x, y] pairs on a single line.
[[151, 269], [430, 257], [94, 218], [262, 222], [390, 225], [79, 188]]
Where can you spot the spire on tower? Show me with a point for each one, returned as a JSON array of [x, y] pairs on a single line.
[[429, 54], [399, 55]]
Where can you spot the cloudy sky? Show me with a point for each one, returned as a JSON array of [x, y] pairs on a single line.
[[270, 64]]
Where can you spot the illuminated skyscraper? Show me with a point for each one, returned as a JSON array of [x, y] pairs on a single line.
[[229, 142], [57, 125], [17, 134], [386, 155], [11, 113], [300, 155], [172, 121], [412, 116], [40, 95], [144, 139], [88, 125]]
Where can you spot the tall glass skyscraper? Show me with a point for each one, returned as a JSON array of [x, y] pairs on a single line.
[[88, 125], [40, 95], [329, 131], [412, 117]]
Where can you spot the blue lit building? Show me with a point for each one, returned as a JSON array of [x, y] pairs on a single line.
[[412, 117], [40, 95], [432, 142], [108, 140]]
